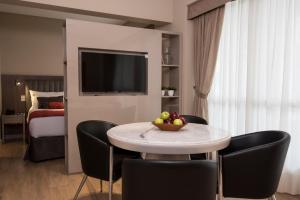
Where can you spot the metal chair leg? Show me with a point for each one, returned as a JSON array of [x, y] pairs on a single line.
[[209, 155], [101, 188], [220, 177], [80, 187], [111, 164]]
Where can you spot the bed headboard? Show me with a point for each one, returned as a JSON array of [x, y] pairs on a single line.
[[11, 93], [43, 84]]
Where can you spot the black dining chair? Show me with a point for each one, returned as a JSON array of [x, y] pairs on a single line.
[[196, 120], [98, 158], [176, 180], [251, 166]]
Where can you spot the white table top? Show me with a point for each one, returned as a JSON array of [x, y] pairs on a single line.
[[191, 139]]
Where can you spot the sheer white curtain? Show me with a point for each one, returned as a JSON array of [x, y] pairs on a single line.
[[257, 80]]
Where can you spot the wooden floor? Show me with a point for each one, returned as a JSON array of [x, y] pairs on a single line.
[[22, 180]]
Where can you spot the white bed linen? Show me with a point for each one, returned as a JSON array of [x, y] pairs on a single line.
[[46, 126]]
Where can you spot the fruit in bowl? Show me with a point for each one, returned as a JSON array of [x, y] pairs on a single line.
[[169, 121], [158, 121], [177, 122], [165, 115], [174, 115]]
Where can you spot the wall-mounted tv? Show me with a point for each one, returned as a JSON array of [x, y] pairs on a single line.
[[106, 72]]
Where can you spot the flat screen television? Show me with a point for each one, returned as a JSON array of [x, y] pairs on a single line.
[[105, 72]]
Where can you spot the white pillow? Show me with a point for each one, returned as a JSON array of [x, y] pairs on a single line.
[[35, 94]]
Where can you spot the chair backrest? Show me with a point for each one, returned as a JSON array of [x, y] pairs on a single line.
[[195, 119], [176, 180], [94, 148], [253, 163]]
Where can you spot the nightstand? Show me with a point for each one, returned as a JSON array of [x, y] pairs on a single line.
[[13, 119]]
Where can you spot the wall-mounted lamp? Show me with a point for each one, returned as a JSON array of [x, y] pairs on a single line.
[[18, 83]]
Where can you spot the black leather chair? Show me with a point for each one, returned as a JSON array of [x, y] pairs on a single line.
[[251, 165], [169, 180], [96, 153], [196, 120]]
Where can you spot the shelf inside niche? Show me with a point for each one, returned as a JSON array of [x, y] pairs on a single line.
[[169, 96], [170, 65], [170, 71]]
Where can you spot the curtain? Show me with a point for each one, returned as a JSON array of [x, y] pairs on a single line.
[[207, 32], [257, 79]]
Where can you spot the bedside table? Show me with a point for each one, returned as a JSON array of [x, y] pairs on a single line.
[[13, 119]]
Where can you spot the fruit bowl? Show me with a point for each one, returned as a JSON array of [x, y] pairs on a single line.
[[169, 127]]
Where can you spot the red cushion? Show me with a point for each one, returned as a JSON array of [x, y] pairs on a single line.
[[56, 105]]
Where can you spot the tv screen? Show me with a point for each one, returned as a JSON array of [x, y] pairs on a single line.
[[104, 71]]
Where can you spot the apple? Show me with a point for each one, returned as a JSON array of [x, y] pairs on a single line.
[[177, 122], [168, 121], [164, 115], [174, 115], [182, 119], [158, 121]]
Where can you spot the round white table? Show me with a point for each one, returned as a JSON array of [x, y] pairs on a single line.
[[144, 137]]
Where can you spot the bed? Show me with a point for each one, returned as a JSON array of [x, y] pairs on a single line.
[[45, 126]]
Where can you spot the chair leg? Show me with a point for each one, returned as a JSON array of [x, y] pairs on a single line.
[[220, 177], [111, 164], [209, 156], [101, 188], [80, 187], [273, 197]]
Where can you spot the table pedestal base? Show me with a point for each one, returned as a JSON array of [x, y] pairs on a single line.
[[150, 156]]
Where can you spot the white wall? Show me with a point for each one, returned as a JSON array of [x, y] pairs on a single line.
[[117, 109], [158, 10], [185, 27], [31, 45]]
